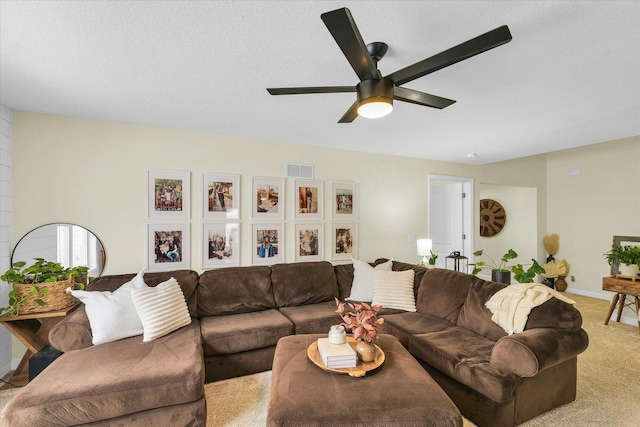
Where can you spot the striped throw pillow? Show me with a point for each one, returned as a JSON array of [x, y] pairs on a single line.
[[394, 289]]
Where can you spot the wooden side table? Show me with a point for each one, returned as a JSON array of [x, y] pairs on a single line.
[[33, 331], [622, 288]]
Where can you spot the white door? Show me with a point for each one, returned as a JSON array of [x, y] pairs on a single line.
[[450, 219]]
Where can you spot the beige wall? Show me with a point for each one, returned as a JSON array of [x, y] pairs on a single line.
[[587, 210]]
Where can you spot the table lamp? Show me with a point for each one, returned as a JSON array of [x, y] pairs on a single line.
[[424, 250]]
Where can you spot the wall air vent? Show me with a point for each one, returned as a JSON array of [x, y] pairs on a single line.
[[298, 170]]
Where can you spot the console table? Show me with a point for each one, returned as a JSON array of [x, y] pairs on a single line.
[[622, 288], [33, 331]]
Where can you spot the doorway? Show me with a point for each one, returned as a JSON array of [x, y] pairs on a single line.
[[451, 219]]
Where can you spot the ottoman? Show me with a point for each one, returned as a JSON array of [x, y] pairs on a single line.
[[398, 393]]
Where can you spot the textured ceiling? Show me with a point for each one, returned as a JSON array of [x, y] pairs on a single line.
[[569, 77]]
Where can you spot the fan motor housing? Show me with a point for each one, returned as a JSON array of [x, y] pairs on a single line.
[[375, 90]]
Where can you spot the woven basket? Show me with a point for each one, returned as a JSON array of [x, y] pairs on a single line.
[[57, 299]]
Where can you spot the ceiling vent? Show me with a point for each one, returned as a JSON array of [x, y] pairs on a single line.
[[298, 170]]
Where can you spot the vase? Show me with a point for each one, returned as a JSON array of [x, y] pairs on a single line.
[[501, 276], [337, 335], [561, 284], [366, 351]]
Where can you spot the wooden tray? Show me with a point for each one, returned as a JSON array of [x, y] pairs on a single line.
[[361, 368]]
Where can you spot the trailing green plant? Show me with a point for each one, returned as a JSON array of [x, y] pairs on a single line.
[[528, 275], [626, 254], [40, 273]]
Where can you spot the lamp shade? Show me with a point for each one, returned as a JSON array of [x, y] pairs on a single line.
[[424, 247]]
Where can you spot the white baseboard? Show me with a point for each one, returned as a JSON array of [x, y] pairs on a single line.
[[624, 319]]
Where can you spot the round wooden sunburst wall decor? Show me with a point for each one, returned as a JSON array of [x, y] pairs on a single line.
[[492, 217]]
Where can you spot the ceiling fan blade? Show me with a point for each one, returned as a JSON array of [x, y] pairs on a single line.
[[305, 90], [420, 98], [475, 46], [350, 115], [343, 28]]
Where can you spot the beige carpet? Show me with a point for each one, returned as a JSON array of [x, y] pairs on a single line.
[[608, 382]]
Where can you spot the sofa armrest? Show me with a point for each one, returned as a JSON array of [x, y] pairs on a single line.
[[73, 332], [535, 350]]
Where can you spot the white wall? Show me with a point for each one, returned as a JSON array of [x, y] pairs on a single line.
[[520, 230], [587, 210], [6, 148]]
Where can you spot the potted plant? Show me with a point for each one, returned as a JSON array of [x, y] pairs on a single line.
[[432, 259], [41, 287], [501, 271], [627, 257], [364, 324]]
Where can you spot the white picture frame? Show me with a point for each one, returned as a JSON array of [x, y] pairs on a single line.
[[168, 247], [268, 199], [267, 243], [344, 201], [220, 196], [169, 195], [309, 242], [220, 245], [344, 241], [309, 199]]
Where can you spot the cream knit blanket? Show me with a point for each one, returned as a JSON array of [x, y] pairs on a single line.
[[511, 306]]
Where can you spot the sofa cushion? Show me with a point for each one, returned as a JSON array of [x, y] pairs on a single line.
[[465, 357], [162, 309], [404, 325], [394, 289], [112, 315], [235, 333], [235, 290], [303, 283], [344, 276], [312, 318], [187, 279], [403, 266], [442, 293], [111, 380], [362, 287], [555, 314], [73, 333], [475, 317]]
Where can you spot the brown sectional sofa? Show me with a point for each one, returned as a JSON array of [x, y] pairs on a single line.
[[239, 314]]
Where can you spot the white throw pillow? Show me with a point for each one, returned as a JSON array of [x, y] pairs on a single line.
[[162, 309], [394, 289], [362, 287], [112, 315]]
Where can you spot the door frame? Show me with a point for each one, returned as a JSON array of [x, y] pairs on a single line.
[[468, 204]]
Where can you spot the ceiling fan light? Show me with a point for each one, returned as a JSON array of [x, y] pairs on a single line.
[[375, 107]]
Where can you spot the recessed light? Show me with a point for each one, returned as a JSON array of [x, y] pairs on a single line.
[[472, 156]]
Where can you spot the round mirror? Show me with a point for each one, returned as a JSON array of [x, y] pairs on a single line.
[[68, 244]]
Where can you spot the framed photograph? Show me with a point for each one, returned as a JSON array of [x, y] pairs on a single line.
[[309, 199], [344, 201], [268, 243], [309, 239], [168, 247], [169, 195], [221, 245], [268, 198], [344, 240], [221, 196]]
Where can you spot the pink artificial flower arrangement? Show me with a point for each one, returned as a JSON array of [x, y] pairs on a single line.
[[362, 321]]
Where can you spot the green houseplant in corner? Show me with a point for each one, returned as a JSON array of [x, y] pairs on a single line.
[[41, 287], [501, 271]]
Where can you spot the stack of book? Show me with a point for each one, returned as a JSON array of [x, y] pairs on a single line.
[[336, 356]]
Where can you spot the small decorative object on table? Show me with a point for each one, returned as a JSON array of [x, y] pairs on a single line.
[[363, 324], [337, 335]]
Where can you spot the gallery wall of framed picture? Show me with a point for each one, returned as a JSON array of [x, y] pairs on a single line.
[[318, 217]]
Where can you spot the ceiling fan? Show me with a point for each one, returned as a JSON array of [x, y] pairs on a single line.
[[375, 93]]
